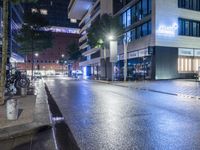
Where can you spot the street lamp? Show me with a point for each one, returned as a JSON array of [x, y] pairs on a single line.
[[36, 54], [36, 67], [62, 55]]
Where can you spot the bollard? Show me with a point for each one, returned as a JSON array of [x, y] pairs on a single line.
[[23, 91], [12, 109]]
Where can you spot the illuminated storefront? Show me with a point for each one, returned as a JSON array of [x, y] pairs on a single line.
[[171, 31], [188, 60]]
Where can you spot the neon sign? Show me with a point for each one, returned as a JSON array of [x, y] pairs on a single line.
[[168, 30]]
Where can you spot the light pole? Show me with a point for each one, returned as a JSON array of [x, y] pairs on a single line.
[[36, 55], [62, 63], [125, 42]]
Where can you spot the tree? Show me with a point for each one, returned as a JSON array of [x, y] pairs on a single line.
[[5, 44], [73, 52], [99, 31], [31, 36]]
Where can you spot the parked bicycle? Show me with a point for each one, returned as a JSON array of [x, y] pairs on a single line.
[[16, 80]]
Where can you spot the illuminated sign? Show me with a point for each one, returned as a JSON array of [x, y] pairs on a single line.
[[168, 30], [61, 29], [185, 52]]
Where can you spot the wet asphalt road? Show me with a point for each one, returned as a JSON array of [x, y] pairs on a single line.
[[103, 116]]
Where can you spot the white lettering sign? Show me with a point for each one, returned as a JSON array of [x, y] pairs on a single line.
[[133, 54], [143, 53], [185, 52], [168, 30]]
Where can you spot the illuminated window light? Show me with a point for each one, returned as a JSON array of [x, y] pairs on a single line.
[[34, 10], [182, 64], [73, 20], [43, 11]]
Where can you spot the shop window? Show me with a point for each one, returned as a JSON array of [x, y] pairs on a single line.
[[188, 64]]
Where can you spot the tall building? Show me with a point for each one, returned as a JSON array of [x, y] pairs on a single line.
[[15, 22], [55, 11], [162, 36], [88, 12], [64, 31]]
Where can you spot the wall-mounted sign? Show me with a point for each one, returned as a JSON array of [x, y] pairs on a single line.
[[167, 30], [197, 52], [134, 54], [185, 52], [143, 52]]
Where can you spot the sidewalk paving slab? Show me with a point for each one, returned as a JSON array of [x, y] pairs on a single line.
[[35, 116]]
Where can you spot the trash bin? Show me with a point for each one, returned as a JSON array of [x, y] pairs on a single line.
[[12, 109], [23, 91]]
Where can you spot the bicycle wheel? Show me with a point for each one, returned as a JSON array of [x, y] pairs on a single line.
[[22, 82]]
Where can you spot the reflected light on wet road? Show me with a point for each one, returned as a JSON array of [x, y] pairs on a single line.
[[103, 116]]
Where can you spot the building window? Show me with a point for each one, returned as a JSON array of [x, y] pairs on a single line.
[[136, 33], [144, 7], [128, 17], [73, 20], [124, 20], [135, 13], [189, 4], [189, 27], [144, 29], [34, 10], [43, 11], [185, 64]]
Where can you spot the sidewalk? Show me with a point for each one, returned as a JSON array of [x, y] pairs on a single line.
[[184, 88], [34, 120]]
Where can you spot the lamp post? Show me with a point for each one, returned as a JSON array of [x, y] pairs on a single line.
[[125, 43], [63, 63], [36, 55]]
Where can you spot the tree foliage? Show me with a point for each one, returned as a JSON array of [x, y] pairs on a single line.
[[31, 36], [101, 28], [73, 52]]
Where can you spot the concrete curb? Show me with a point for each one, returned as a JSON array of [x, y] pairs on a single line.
[[41, 120], [151, 90]]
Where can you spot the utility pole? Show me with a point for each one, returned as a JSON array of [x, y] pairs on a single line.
[[125, 59]]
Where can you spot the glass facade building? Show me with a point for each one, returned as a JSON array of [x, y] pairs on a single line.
[[15, 22]]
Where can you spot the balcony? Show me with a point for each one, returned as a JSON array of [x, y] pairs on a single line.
[[78, 8]]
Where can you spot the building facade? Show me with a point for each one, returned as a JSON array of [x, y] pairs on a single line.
[[48, 62], [88, 12], [15, 22], [162, 37], [64, 31]]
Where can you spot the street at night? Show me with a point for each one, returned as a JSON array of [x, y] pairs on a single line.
[[100, 75], [103, 116]]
